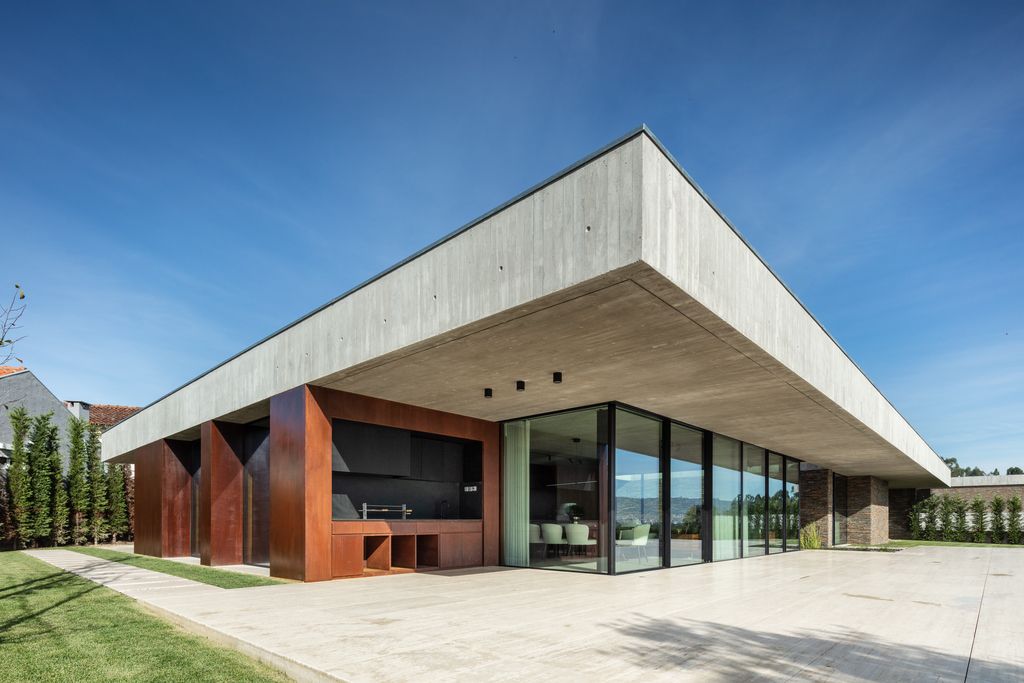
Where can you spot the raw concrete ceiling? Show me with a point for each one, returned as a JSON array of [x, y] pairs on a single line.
[[626, 342]]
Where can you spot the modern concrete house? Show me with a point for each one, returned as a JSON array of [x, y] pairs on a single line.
[[599, 375]]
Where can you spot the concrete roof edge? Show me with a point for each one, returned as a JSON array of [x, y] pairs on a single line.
[[668, 155], [618, 142]]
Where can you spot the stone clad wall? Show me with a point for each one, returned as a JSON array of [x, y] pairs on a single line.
[[816, 502], [900, 502], [868, 505], [986, 492]]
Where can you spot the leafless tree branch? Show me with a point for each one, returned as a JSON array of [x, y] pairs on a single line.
[[9, 317]]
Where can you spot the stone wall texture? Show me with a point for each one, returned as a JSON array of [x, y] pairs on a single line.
[[867, 500], [816, 502], [900, 502], [986, 492]]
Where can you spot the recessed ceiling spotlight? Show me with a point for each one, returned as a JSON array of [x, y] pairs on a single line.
[[520, 385], [557, 378], [488, 392]]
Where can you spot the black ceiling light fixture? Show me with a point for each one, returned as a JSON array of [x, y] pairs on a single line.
[[488, 392], [556, 378], [520, 385]]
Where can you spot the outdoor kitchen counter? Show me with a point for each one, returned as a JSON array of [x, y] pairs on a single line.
[[367, 547]]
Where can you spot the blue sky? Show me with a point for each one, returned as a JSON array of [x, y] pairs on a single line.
[[178, 181]]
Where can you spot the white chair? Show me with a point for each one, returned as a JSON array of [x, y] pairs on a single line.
[[535, 537], [578, 536], [635, 538], [552, 535]]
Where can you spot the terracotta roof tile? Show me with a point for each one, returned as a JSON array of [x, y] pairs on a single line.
[[108, 416], [10, 369]]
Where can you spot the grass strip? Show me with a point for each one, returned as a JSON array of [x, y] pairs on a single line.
[[914, 544], [56, 626], [195, 572]]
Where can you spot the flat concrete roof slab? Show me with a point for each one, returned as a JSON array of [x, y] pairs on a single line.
[[760, 367], [924, 614]]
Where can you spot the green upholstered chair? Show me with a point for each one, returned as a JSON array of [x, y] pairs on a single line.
[[635, 538], [578, 536], [552, 535]]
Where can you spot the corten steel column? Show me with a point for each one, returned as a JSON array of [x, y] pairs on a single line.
[[220, 494], [163, 498], [300, 486], [491, 455]]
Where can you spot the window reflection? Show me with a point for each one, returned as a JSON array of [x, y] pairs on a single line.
[[754, 507], [567, 472], [558, 492], [638, 505], [686, 494], [725, 502], [776, 502], [792, 505]]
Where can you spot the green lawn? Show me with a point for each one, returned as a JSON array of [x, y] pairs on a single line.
[[913, 544], [55, 626], [195, 572]]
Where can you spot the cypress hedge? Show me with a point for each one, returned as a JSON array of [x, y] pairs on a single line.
[[42, 505], [951, 518]]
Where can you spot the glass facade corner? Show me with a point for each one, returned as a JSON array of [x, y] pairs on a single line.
[[615, 489]]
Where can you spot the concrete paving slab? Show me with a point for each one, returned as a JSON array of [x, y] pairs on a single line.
[[924, 614]]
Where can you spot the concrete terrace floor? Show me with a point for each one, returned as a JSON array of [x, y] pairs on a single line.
[[923, 614]]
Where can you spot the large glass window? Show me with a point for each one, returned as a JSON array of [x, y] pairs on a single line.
[[686, 494], [776, 502], [840, 514], [568, 501], [726, 505], [556, 468], [754, 508], [638, 505], [792, 505]]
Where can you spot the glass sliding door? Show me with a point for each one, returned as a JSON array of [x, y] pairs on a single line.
[[754, 508], [792, 505], [840, 513], [686, 494], [555, 491], [726, 502], [776, 502], [638, 504]]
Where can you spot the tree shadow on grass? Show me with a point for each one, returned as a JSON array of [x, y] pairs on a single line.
[[14, 589], [29, 599], [702, 649], [30, 606]]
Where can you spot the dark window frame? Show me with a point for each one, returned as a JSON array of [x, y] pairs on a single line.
[[707, 438]]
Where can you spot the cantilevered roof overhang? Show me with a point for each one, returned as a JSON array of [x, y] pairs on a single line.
[[618, 272]]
